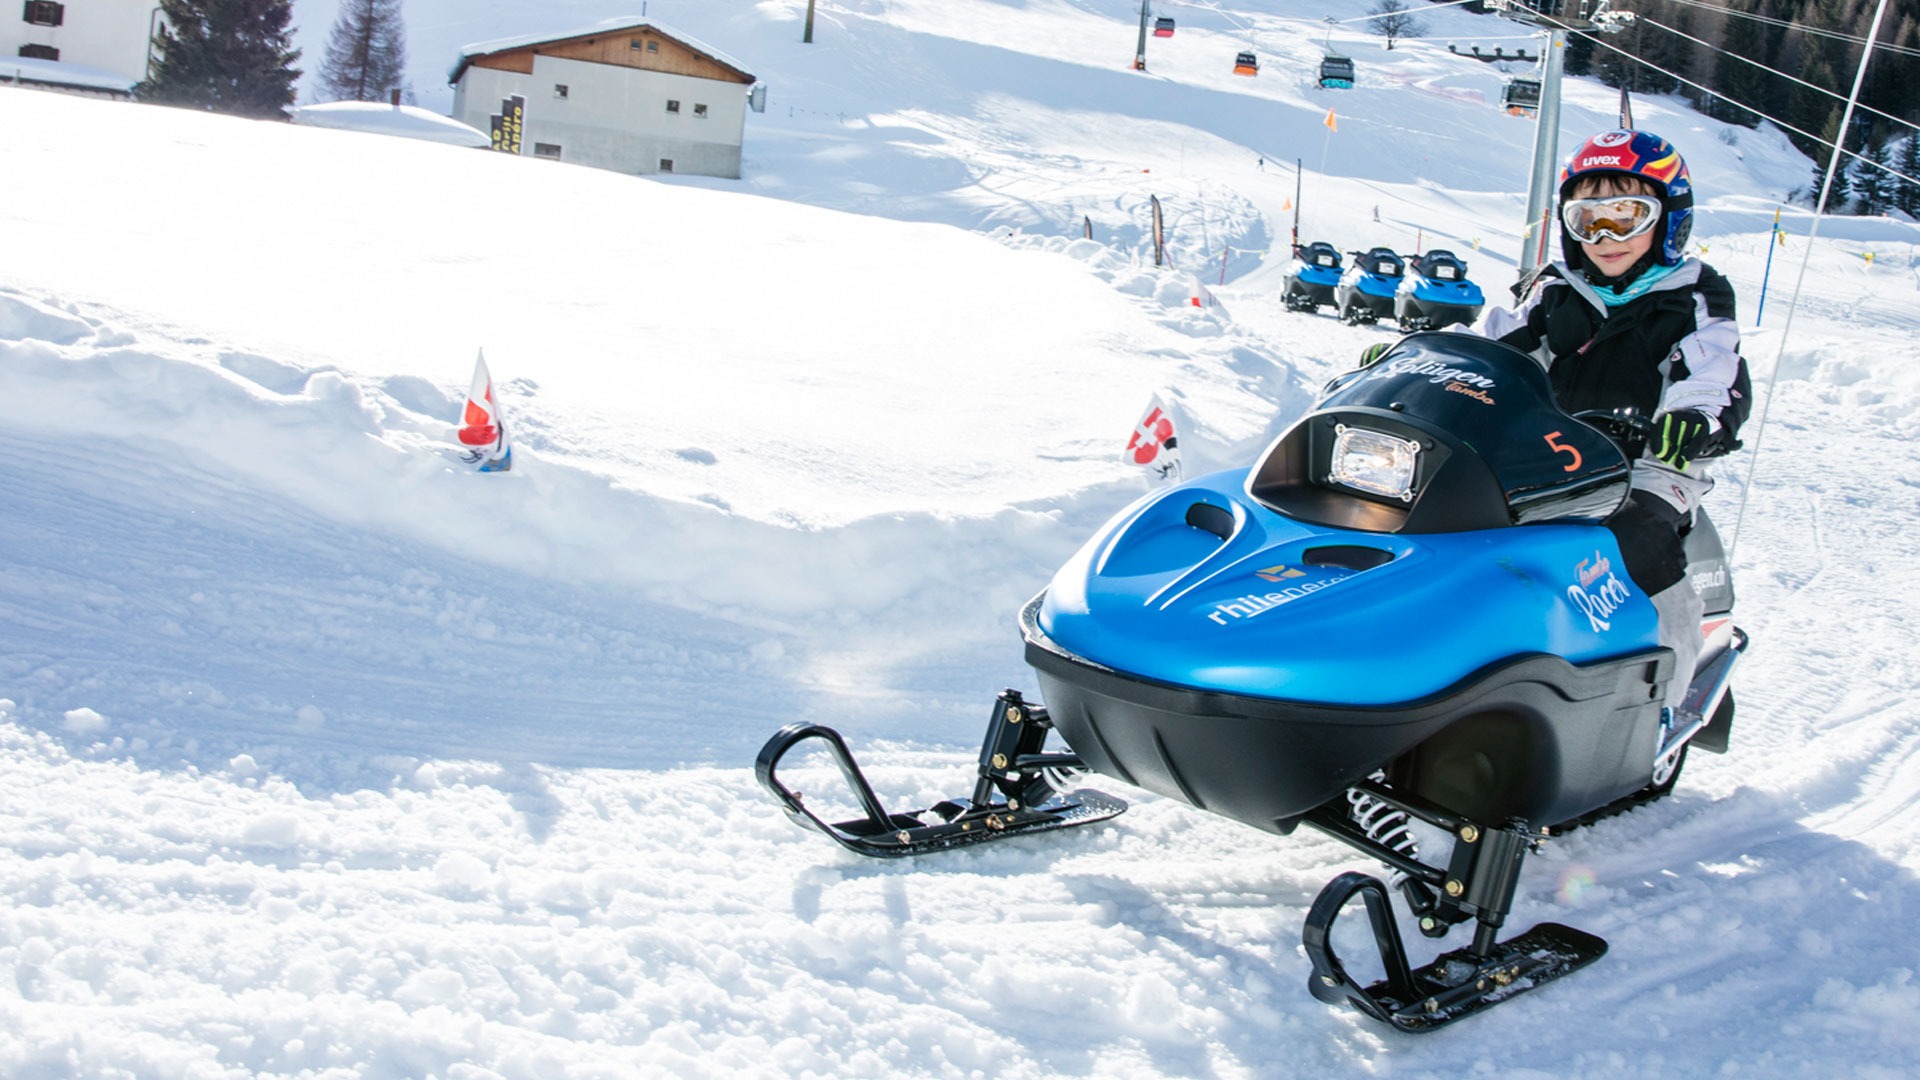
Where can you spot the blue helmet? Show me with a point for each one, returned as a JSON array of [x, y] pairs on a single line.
[[1651, 158]]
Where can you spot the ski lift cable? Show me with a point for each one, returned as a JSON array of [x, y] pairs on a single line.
[[1775, 71], [1715, 93], [1793, 303], [1769, 20], [1247, 28], [1409, 11], [1507, 37]]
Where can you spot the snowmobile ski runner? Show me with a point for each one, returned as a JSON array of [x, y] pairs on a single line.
[[1012, 767]]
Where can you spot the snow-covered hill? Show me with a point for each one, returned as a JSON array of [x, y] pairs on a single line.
[[324, 756]]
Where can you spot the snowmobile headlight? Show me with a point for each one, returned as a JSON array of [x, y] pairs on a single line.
[[1374, 461]]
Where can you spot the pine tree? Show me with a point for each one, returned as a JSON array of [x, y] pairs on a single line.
[[1907, 198], [366, 52], [229, 56], [1837, 196], [1736, 77], [1579, 55], [1870, 179]]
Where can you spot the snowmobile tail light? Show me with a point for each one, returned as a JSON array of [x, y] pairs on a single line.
[[1375, 462]]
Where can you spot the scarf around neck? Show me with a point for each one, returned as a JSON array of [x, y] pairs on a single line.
[[1639, 287]]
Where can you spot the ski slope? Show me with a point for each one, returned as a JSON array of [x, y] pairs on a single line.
[[326, 757]]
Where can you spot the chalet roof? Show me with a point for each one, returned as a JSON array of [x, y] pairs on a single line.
[[601, 28], [55, 73], [381, 118]]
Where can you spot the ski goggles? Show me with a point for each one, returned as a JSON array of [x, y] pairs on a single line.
[[1617, 217]]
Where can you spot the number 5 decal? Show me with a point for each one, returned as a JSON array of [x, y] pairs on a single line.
[[1563, 448]]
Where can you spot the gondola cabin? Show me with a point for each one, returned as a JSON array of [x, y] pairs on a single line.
[[1163, 27], [1521, 97], [1336, 72], [1246, 64]]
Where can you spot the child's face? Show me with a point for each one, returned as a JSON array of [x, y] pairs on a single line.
[[1615, 257]]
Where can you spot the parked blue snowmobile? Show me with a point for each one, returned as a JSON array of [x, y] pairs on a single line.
[[1436, 294], [1366, 290], [1311, 277], [1403, 625]]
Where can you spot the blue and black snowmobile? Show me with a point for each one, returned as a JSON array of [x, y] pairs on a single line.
[[1311, 277], [1436, 294], [1366, 290], [1403, 626]]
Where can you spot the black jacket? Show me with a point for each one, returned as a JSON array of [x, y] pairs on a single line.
[[1675, 347]]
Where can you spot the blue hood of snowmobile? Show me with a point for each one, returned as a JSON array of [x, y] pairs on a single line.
[[1282, 609], [1457, 293], [1369, 283], [1283, 582], [1327, 276]]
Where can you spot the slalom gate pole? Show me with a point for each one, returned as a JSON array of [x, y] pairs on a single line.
[[1773, 241]]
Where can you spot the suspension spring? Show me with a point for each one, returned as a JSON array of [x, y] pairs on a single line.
[[1383, 823]]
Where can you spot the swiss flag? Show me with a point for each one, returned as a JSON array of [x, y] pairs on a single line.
[[1154, 444], [481, 429]]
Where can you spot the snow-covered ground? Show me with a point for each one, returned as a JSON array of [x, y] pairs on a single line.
[[324, 756]]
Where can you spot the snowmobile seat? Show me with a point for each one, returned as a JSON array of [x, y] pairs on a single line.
[[1382, 262], [1440, 265], [1320, 254]]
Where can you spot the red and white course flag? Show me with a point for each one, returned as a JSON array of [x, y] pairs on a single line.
[[1154, 445], [482, 431]]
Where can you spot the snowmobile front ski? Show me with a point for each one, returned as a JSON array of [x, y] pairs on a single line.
[[1456, 984], [1477, 884], [1029, 784]]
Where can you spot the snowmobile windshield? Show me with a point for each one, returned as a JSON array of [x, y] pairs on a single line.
[[1446, 432]]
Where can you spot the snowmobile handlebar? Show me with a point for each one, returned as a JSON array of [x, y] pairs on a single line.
[[1626, 426]]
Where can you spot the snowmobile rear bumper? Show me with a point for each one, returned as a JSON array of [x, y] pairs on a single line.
[[1368, 306], [1534, 737], [1302, 294]]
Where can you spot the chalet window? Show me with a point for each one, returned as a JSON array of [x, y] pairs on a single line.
[[666, 164], [44, 13], [653, 46], [673, 106], [700, 112], [39, 52], [550, 151], [560, 91], [637, 45]]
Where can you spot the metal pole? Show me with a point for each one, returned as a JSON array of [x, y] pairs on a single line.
[[1140, 50], [153, 31], [1793, 304], [1296, 203], [1546, 157], [807, 38]]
